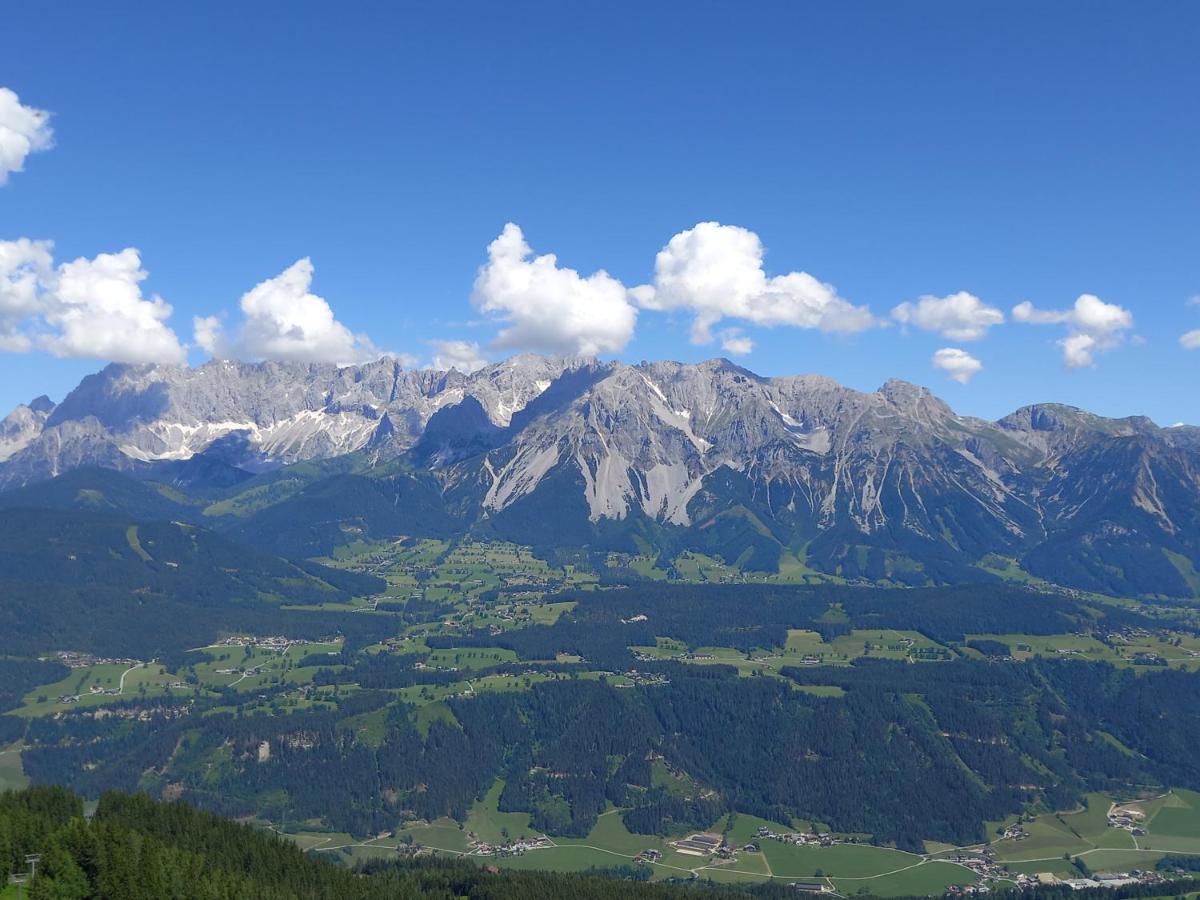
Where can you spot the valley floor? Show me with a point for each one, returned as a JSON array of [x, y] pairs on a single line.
[[1051, 846]]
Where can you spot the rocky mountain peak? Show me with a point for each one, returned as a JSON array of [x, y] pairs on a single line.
[[41, 404]]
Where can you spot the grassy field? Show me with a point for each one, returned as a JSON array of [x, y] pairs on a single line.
[[108, 683], [12, 776], [488, 824], [472, 658], [701, 568], [139, 680], [844, 860], [1172, 823], [928, 878], [805, 648], [1176, 648], [256, 667], [454, 573]]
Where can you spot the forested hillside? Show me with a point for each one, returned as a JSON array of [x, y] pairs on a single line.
[[109, 584]]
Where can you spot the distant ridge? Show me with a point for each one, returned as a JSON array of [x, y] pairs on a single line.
[[886, 486]]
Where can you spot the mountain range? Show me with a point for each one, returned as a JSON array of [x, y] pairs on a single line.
[[790, 474]]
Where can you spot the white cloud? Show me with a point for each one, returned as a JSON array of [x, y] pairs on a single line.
[[87, 308], [406, 360], [735, 342], [284, 320], [25, 268], [207, 332], [958, 364], [960, 317], [23, 130], [1189, 341], [716, 271], [462, 355], [547, 308], [1029, 314], [96, 311], [1093, 327]]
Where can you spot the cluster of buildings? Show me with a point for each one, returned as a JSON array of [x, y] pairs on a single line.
[[985, 867], [982, 864], [1015, 832], [967, 890], [245, 673], [277, 643], [646, 677], [1097, 880], [511, 848], [75, 660], [801, 838], [1130, 818]]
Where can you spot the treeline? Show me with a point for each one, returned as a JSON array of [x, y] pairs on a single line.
[[1178, 863], [135, 848]]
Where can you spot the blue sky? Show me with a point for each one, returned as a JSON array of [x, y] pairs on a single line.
[[1018, 152]]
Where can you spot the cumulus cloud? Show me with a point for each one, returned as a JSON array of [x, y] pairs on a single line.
[[716, 272], [548, 308], [282, 319], [960, 317], [23, 130], [735, 342], [407, 360], [86, 308], [207, 332], [462, 355], [1188, 341], [958, 364], [1093, 327], [97, 312], [26, 267]]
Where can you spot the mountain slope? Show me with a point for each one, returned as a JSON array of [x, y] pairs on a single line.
[[890, 485]]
